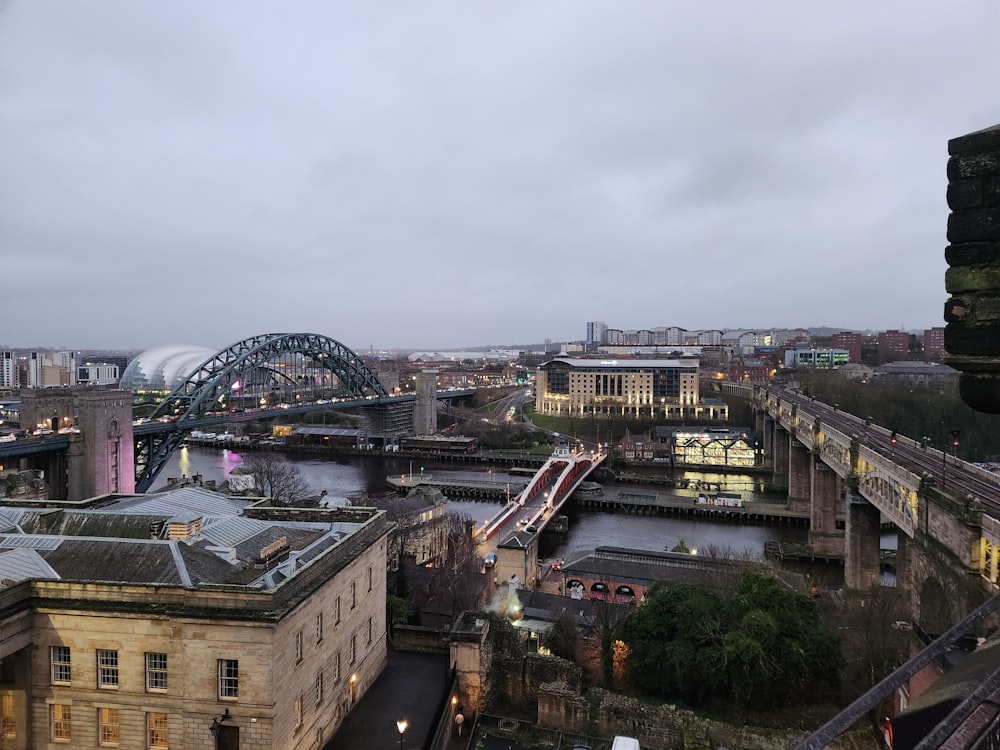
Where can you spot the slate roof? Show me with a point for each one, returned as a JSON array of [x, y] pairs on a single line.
[[124, 561], [640, 566], [111, 542]]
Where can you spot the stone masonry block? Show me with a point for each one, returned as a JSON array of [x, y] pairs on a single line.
[[977, 340], [981, 140], [977, 164], [965, 194], [972, 278], [974, 225], [973, 308], [972, 253]]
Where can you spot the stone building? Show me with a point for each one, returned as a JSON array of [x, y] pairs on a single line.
[[186, 620]]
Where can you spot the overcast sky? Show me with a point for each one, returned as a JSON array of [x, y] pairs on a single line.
[[449, 174]]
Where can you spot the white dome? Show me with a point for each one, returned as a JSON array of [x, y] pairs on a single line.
[[164, 367]]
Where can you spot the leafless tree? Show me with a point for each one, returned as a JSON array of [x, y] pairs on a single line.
[[275, 478]]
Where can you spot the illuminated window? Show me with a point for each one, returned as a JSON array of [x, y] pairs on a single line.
[[8, 720], [59, 718], [157, 733], [107, 668], [59, 660], [298, 647], [108, 727], [298, 711], [156, 671]]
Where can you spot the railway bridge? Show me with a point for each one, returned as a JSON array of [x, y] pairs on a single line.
[[852, 476]]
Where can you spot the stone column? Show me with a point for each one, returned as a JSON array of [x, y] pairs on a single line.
[[799, 476], [781, 446], [425, 409], [826, 491], [864, 530], [972, 336]]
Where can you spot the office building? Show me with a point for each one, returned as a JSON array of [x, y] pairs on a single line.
[[657, 388]]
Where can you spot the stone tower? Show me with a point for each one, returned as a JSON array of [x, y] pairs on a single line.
[[425, 409]]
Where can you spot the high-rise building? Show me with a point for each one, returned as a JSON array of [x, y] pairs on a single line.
[[893, 346], [934, 345], [8, 370], [851, 341], [596, 334]]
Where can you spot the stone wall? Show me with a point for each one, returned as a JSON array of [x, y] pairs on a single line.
[[657, 727], [972, 334], [419, 639]]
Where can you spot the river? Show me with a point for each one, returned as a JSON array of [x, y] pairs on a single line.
[[344, 476]]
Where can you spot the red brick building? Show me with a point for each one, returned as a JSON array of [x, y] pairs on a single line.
[[893, 346], [850, 341], [934, 345]]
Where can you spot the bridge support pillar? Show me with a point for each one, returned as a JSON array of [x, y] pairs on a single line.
[[826, 491], [779, 447], [799, 476], [425, 408], [864, 531]]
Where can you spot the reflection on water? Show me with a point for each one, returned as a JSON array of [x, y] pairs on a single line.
[[343, 476]]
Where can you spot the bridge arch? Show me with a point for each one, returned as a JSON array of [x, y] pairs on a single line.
[[251, 361]]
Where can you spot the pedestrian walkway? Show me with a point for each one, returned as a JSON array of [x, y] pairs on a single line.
[[411, 688]]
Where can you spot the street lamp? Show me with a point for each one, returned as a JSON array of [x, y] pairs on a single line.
[[401, 726]]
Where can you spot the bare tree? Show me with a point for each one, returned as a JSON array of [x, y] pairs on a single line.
[[275, 478]]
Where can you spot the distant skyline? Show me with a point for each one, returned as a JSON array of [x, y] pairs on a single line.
[[446, 175]]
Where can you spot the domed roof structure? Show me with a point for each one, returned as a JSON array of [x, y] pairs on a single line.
[[164, 367]]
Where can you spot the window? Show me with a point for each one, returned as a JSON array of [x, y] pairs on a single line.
[[229, 678], [108, 727], [156, 671], [319, 627], [369, 577], [298, 711], [156, 730], [319, 688], [107, 668], [59, 717], [369, 641], [336, 674], [354, 647], [59, 659], [8, 719], [338, 611], [298, 647], [354, 594]]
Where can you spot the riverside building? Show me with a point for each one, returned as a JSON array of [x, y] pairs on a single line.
[[187, 619], [637, 388]]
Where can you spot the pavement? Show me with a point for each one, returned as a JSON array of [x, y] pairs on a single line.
[[411, 687]]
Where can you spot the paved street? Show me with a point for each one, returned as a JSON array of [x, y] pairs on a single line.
[[411, 687]]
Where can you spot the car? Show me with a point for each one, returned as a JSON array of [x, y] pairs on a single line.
[[491, 560], [557, 564]]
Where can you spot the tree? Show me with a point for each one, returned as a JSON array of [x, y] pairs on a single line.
[[562, 637], [760, 646], [275, 478]]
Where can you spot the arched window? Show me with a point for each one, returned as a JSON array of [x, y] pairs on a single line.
[[624, 593]]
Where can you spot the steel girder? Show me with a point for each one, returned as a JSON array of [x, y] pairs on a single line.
[[214, 378]]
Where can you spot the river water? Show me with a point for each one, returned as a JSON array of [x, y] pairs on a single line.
[[344, 476]]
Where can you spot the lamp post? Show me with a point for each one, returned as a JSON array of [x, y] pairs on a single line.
[[401, 727]]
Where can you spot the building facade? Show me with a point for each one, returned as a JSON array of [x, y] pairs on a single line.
[[850, 341], [934, 350], [240, 627], [664, 388], [893, 345]]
